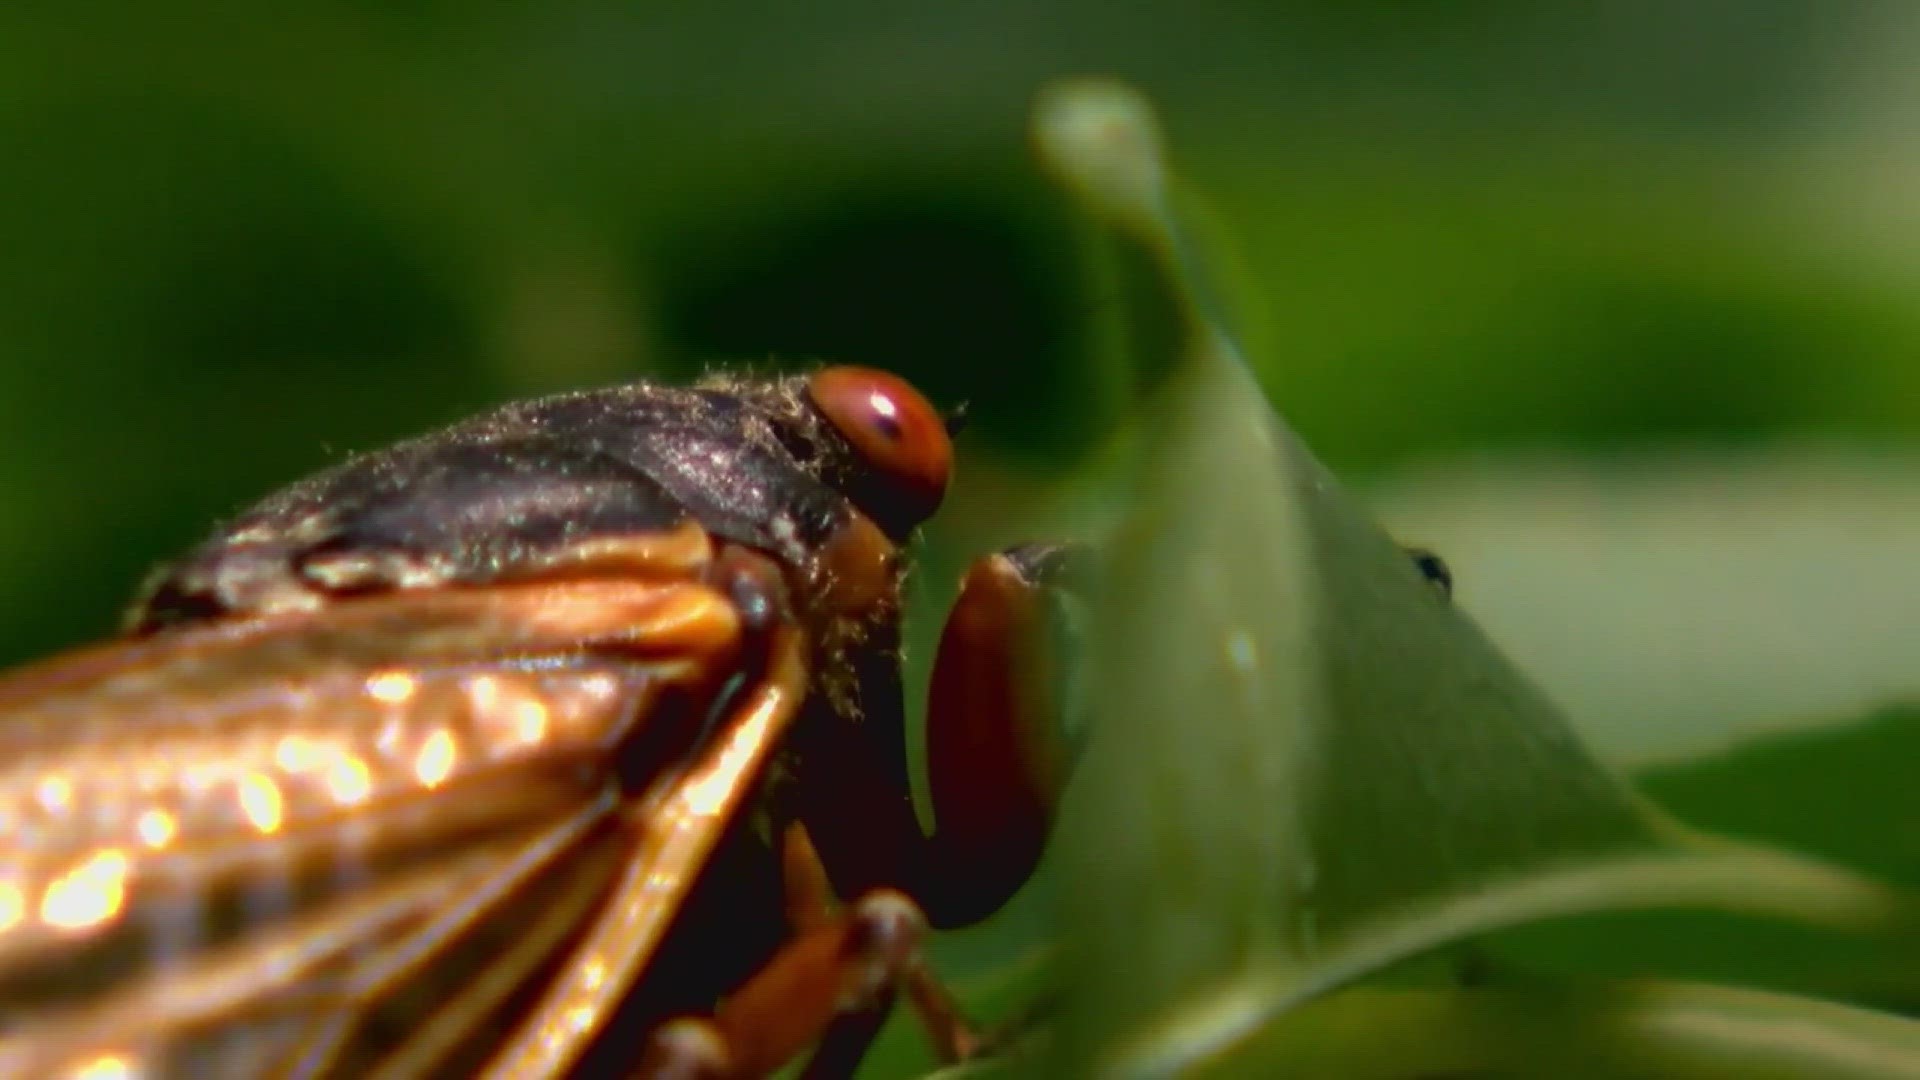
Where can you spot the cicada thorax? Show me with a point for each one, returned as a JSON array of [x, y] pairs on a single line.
[[639, 478], [377, 751], [521, 492]]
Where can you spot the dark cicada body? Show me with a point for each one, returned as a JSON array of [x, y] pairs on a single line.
[[558, 738]]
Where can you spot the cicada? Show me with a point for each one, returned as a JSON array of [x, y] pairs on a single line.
[[570, 737]]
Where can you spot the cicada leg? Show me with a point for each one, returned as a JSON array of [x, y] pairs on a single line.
[[993, 763], [830, 988], [810, 907]]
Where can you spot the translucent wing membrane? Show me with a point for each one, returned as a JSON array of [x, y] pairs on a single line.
[[339, 842], [675, 831]]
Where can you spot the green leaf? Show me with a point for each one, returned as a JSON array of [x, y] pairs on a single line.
[[1307, 764], [1646, 1030], [1842, 789], [1839, 791]]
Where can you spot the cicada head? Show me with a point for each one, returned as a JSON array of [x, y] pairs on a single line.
[[883, 454], [866, 433]]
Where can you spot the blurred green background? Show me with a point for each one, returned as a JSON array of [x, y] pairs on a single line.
[[1499, 260]]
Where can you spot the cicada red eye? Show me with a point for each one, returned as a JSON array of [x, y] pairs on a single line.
[[893, 429]]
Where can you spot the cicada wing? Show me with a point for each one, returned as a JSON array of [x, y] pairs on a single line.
[[339, 984], [221, 838], [675, 829]]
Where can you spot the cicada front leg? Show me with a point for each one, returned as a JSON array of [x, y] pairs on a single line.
[[995, 761]]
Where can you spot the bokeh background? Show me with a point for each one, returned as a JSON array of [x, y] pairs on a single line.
[[1614, 304]]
